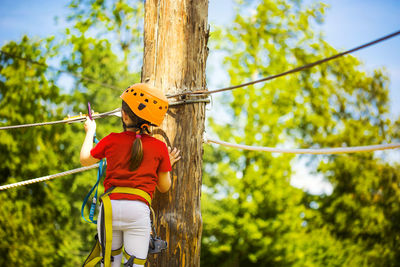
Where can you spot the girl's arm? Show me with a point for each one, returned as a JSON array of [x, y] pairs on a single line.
[[85, 157], [164, 178], [164, 182]]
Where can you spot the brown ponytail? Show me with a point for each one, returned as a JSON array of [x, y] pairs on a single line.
[[136, 153], [140, 126]]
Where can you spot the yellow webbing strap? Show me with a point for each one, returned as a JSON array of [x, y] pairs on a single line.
[[107, 208], [94, 256], [107, 229], [133, 191], [116, 252], [93, 262], [135, 260]]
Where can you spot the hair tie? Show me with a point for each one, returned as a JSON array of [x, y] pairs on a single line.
[[138, 136]]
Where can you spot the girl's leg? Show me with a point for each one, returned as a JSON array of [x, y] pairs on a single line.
[[136, 228], [117, 244], [136, 239]]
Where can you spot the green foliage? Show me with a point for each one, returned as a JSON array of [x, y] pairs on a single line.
[[40, 223], [120, 20], [252, 215], [35, 221]]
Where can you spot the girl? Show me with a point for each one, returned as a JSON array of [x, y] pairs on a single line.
[[134, 160]]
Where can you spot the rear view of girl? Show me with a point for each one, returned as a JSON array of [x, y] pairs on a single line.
[[137, 161]]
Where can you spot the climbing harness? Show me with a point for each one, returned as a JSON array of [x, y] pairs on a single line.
[[147, 102], [102, 250], [156, 245]]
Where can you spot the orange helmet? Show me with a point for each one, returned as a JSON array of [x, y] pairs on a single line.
[[147, 102]]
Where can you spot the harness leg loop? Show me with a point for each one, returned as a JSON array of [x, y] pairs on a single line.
[[133, 260]]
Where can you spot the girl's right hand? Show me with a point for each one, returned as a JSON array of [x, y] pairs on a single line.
[[174, 155], [90, 125]]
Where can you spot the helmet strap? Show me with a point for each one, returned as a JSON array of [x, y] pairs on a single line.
[[144, 128]]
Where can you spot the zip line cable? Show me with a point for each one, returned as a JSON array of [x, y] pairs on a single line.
[[204, 92], [82, 118], [317, 151], [60, 70], [49, 177], [318, 62]]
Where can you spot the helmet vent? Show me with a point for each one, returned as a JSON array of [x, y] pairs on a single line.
[[141, 106], [141, 94], [155, 102], [135, 94], [146, 100]]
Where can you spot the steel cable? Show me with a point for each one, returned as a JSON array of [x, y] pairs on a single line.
[[79, 119], [318, 62], [206, 92], [115, 112]]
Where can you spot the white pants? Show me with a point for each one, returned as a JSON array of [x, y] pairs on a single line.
[[131, 228]]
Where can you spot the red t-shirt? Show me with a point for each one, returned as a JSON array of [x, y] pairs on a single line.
[[116, 148]]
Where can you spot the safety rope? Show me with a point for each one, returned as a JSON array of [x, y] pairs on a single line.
[[49, 177], [336, 150], [318, 62]]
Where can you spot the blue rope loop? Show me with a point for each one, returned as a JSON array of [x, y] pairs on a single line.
[[100, 172]]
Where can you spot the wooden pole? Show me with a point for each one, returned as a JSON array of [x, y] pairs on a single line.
[[175, 54]]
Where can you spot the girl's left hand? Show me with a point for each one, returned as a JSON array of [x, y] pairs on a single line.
[[174, 155]]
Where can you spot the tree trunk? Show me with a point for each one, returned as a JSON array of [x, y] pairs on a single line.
[[175, 53]]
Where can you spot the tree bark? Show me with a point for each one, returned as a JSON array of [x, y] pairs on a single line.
[[175, 54]]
